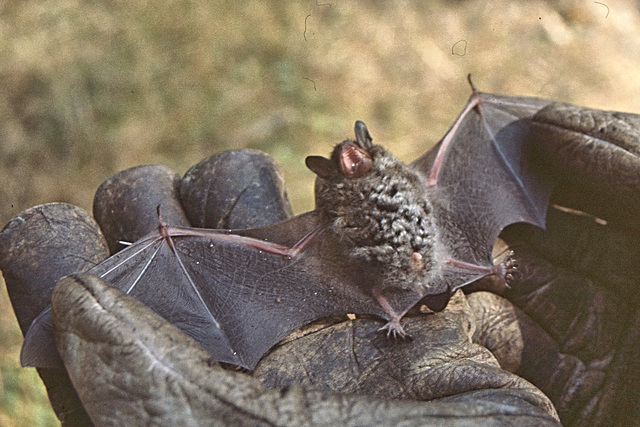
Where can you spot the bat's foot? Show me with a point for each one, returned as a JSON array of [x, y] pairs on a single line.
[[509, 272], [394, 330], [393, 327]]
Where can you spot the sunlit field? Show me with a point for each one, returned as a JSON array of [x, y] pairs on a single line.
[[88, 88]]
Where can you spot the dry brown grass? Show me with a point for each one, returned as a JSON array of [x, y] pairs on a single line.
[[88, 88]]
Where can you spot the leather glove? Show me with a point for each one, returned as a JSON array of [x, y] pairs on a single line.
[[579, 280]]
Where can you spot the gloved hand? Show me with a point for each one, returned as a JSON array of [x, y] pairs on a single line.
[[128, 365], [579, 280]]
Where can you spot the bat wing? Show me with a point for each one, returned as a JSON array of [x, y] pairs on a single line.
[[480, 180], [231, 292]]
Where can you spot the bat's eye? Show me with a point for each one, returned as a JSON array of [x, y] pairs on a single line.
[[354, 161]]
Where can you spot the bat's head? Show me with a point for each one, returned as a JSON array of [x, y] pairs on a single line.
[[378, 204], [349, 159], [358, 170]]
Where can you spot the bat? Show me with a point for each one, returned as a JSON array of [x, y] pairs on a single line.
[[384, 237]]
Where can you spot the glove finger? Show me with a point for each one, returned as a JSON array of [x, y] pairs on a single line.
[[235, 189], [594, 157], [37, 247], [126, 204], [584, 246], [132, 367]]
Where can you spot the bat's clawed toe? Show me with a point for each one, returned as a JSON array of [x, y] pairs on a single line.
[[395, 330], [508, 270], [393, 327]]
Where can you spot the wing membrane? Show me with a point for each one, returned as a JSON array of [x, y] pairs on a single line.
[[479, 179], [235, 300]]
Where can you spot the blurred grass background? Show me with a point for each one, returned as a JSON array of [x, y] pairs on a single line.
[[91, 87]]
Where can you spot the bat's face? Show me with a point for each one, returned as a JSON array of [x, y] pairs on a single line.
[[378, 204]]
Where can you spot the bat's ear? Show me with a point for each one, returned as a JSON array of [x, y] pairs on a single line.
[[363, 136], [322, 167]]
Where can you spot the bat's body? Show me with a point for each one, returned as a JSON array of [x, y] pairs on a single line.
[[384, 236]]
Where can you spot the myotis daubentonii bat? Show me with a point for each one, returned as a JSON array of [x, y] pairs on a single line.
[[384, 237]]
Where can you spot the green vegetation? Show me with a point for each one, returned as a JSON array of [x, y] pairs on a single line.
[[92, 87], [23, 400]]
